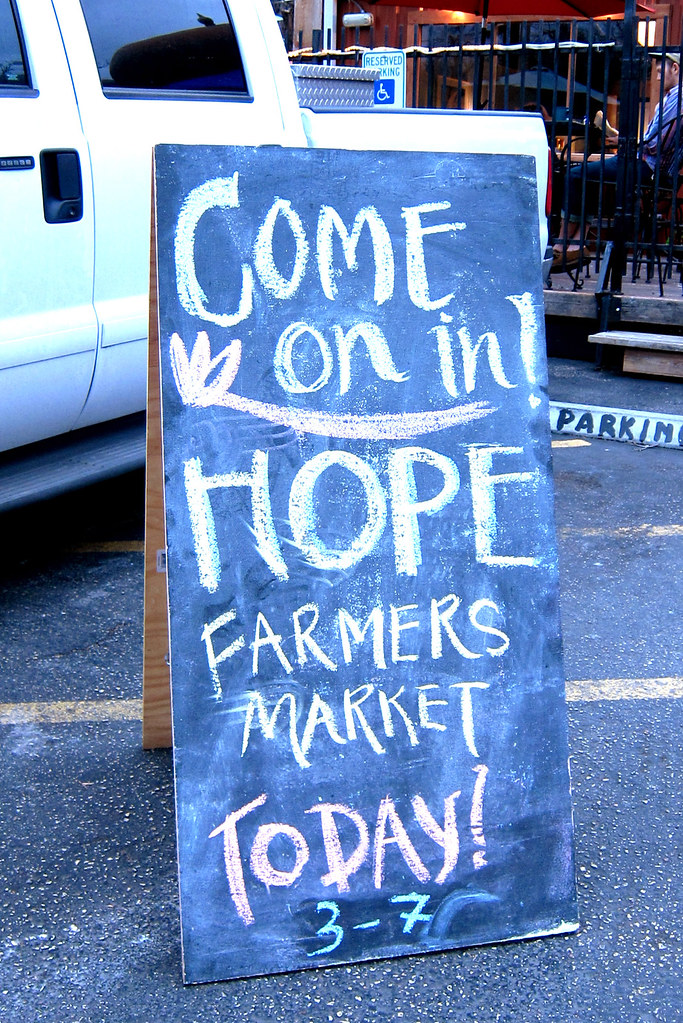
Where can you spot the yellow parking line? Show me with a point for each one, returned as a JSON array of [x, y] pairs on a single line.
[[65, 711], [644, 531], [625, 689], [109, 547], [574, 442]]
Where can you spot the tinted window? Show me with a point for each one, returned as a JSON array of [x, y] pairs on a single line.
[[12, 66], [166, 45]]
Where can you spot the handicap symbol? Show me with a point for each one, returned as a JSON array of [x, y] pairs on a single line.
[[385, 90]]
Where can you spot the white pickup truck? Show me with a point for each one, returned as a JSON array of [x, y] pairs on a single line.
[[87, 88]]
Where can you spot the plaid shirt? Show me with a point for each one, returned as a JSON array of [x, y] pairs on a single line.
[[663, 138]]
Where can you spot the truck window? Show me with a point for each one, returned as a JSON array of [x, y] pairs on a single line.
[[167, 46], [12, 65]]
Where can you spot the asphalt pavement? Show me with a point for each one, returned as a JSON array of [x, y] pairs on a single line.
[[89, 922]]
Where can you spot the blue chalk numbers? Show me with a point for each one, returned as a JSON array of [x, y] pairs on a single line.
[[333, 929]]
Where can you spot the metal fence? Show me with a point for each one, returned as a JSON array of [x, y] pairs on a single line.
[[597, 90]]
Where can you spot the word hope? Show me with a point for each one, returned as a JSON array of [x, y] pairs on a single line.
[[399, 503]]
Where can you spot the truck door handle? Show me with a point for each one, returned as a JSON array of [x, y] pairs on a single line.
[[62, 186]]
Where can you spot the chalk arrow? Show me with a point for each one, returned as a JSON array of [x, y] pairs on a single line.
[[192, 373]]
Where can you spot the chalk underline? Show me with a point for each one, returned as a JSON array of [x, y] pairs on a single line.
[[192, 376], [383, 426]]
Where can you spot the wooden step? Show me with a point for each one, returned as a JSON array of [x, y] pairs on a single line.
[[635, 339], [650, 354]]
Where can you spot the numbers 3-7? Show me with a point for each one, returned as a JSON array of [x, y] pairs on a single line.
[[331, 928]]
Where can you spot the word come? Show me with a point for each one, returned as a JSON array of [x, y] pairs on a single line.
[[223, 194]]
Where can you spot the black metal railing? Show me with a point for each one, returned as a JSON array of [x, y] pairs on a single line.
[[596, 89]]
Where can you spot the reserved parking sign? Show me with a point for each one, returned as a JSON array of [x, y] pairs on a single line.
[[390, 89]]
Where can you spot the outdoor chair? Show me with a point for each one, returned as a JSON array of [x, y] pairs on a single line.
[[659, 232]]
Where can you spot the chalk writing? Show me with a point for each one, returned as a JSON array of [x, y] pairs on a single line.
[[389, 831], [416, 915], [334, 929], [191, 374], [224, 194], [366, 675], [331, 928], [399, 493], [366, 712], [444, 628]]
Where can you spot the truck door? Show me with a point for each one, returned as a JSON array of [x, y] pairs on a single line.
[[147, 73], [48, 330]]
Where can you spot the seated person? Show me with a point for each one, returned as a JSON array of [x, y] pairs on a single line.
[[611, 134], [659, 142]]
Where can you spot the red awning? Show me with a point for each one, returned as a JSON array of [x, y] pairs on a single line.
[[549, 9]]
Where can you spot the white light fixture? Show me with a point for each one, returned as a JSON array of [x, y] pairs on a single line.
[[361, 20], [649, 28]]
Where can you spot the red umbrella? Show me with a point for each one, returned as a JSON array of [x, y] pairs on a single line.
[[549, 9]]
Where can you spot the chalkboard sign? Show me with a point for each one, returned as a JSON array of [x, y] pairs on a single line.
[[367, 690]]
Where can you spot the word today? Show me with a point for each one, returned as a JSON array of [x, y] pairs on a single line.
[[389, 831]]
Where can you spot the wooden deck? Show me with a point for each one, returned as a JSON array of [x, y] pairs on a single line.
[[640, 303]]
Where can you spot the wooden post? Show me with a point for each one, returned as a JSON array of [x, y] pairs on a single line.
[[156, 676], [308, 15]]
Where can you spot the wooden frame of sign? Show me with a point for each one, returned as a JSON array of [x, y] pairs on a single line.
[[156, 676]]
